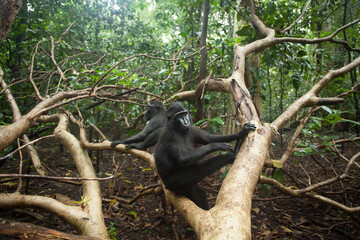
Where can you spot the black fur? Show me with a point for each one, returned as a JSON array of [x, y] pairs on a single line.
[[180, 164], [156, 115]]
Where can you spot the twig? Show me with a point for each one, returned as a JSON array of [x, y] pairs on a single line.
[[298, 19], [20, 168], [32, 70], [79, 113], [334, 148], [174, 230], [206, 82], [66, 31], [309, 178], [123, 60], [52, 56], [146, 191], [18, 149], [98, 132], [295, 193], [131, 57]]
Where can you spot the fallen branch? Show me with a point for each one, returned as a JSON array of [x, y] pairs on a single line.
[[18, 149], [17, 230], [53, 177]]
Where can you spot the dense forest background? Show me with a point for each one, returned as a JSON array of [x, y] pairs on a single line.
[[110, 58]]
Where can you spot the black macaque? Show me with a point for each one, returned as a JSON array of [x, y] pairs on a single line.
[[180, 164], [156, 115]]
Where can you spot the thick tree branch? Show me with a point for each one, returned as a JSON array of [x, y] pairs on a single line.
[[71, 214], [9, 133], [310, 99], [95, 225], [212, 84], [17, 230]]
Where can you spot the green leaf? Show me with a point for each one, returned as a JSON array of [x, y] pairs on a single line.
[[133, 213], [185, 65], [219, 120], [223, 175], [266, 188], [327, 109], [279, 176]]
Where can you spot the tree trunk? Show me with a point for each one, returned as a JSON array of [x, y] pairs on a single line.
[[203, 53], [8, 11]]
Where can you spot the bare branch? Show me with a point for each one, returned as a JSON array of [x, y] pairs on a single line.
[[295, 193], [310, 97], [28, 143], [53, 178], [98, 132], [32, 70], [329, 38], [154, 189], [297, 20], [52, 56], [257, 23], [71, 214], [64, 33], [212, 84], [17, 230]]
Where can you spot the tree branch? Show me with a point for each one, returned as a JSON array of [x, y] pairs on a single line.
[[310, 97], [53, 178], [297, 20], [295, 193]]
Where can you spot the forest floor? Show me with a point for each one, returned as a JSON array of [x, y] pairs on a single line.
[[274, 215]]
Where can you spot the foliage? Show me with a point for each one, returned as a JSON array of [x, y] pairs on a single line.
[[105, 32], [112, 231]]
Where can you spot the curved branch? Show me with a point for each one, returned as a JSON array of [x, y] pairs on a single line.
[[257, 23], [270, 39], [32, 70], [71, 214], [85, 169], [26, 144], [295, 193], [329, 38], [310, 97], [297, 20], [9, 133], [212, 84]]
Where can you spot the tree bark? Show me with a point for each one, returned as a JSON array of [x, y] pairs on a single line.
[[203, 60], [28, 231], [8, 11]]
